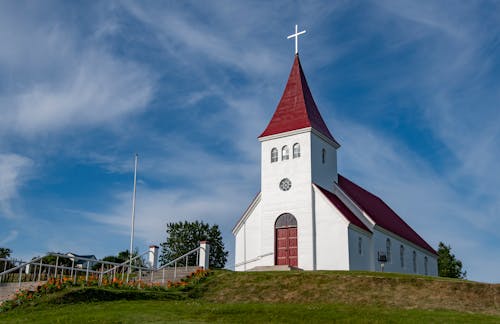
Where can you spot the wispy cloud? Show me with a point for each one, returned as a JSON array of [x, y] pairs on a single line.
[[15, 170], [9, 237], [60, 79]]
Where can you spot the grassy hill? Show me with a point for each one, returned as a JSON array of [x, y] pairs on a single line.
[[322, 296], [357, 288]]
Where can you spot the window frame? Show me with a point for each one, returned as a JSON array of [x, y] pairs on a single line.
[[414, 261], [273, 157], [296, 150], [284, 150], [388, 249], [402, 255]]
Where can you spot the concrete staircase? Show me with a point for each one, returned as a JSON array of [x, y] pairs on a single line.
[[9, 289], [169, 274]]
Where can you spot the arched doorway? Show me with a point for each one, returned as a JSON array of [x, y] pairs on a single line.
[[285, 240]]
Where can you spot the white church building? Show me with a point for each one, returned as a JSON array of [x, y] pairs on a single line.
[[309, 216]]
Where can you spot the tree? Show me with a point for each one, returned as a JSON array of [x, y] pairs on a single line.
[[448, 265], [183, 237], [120, 258], [5, 252]]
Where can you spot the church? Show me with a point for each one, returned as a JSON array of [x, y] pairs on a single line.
[[310, 217]]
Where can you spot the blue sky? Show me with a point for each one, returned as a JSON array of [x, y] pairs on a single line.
[[410, 89]]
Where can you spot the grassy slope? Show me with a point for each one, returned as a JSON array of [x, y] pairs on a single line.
[[280, 297], [357, 288]]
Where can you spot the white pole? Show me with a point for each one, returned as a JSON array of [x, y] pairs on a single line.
[[133, 215]]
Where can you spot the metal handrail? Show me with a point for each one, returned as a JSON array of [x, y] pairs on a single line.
[[181, 257], [128, 261], [39, 265]]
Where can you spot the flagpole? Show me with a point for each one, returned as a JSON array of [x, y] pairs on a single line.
[[133, 218]]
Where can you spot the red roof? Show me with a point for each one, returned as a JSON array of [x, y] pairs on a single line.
[[348, 214], [381, 214], [296, 109]]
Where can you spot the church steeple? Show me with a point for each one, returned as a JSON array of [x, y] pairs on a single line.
[[297, 109]]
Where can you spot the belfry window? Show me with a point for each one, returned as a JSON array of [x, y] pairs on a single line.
[[426, 271], [284, 153], [323, 156], [296, 150], [274, 155], [402, 255], [360, 245]]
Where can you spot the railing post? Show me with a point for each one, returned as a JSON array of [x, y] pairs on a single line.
[[175, 270], [204, 255], [72, 268], [40, 270], [20, 276], [87, 274], [101, 275], [55, 272], [163, 277]]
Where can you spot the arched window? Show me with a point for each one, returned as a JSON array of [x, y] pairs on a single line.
[[284, 153], [285, 220], [285, 240], [388, 249], [296, 150], [360, 245], [274, 155], [323, 156], [414, 262], [426, 272], [402, 255]]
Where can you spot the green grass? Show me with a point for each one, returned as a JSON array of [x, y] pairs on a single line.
[[322, 296], [194, 311]]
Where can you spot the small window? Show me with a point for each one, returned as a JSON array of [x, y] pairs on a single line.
[[414, 262], [323, 156], [388, 249], [274, 155], [426, 271], [360, 245], [284, 153], [402, 255], [296, 150]]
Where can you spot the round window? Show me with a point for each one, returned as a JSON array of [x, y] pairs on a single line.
[[285, 184]]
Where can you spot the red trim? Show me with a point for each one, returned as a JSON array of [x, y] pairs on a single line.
[[382, 214], [348, 214]]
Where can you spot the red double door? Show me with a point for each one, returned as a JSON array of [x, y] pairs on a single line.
[[286, 246]]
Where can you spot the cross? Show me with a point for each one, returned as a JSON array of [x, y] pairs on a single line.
[[296, 35]]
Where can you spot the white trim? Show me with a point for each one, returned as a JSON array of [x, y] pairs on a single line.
[[368, 221], [253, 260], [403, 240], [300, 131], [247, 213]]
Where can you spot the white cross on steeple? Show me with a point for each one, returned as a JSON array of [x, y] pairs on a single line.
[[296, 35]]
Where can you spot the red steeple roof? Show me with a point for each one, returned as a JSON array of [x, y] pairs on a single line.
[[296, 108]]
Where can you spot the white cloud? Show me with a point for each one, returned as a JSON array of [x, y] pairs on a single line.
[[14, 172], [13, 234], [100, 89], [61, 78], [425, 199]]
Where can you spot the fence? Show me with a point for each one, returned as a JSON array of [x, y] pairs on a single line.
[[76, 268]]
